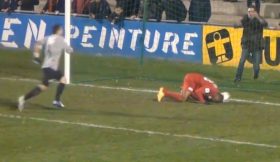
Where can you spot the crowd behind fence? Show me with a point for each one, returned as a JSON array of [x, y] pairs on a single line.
[[156, 10]]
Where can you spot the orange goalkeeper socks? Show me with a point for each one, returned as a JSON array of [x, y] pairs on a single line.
[[174, 95]]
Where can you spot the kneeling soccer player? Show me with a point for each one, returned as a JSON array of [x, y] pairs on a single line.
[[197, 87], [53, 46]]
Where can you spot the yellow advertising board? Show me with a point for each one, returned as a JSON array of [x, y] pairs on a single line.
[[222, 46]]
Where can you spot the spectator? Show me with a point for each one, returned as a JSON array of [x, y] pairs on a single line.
[[200, 10], [99, 9], [257, 4], [27, 5], [155, 9], [79, 6], [13, 5], [175, 10], [231, 0], [4, 5], [57, 6], [8, 5], [252, 42], [130, 7], [117, 17]]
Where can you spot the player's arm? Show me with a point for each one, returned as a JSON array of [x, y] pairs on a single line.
[[67, 47], [37, 52], [199, 94]]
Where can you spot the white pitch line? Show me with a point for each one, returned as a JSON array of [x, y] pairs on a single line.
[[255, 102], [138, 131], [140, 90]]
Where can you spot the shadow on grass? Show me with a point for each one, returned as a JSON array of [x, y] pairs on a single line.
[[8, 103], [127, 115], [12, 105], [40, 106]]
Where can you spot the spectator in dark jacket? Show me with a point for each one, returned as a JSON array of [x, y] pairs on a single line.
[[99, 9], [27, 5], [155, 9], [8, 5], [117, 17], [4, 5], [252, 42], [80, 6], [257, 4], [13, 5], [57, 6], [200, 10], [130, 7], [175, 10]]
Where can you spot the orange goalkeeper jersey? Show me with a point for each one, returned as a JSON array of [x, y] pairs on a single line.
[[201, 87]]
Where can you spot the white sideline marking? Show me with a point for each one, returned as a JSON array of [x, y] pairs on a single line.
[[255, 102], [140, 90], [138, 131]]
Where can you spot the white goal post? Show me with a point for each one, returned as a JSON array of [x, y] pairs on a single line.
[[67, 17]]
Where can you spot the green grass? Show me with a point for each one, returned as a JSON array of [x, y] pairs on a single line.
[[24, 140]]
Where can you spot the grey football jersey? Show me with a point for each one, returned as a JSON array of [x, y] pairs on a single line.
[[54, 46]]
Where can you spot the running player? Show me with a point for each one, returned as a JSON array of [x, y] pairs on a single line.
[[52, 46], [197, 87]]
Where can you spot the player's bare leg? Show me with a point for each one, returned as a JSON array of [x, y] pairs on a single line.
[[60, 88], [33, 93]]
